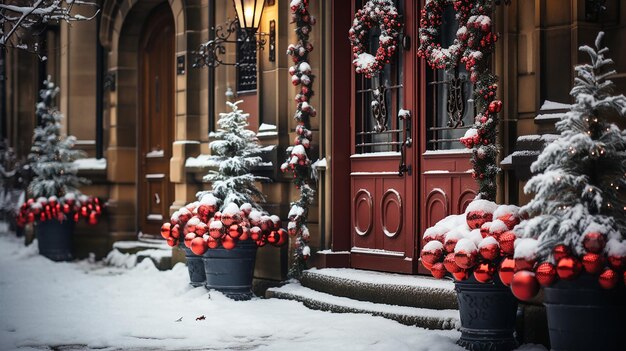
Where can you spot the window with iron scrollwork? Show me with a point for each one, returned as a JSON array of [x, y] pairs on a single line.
[[378, 100], [450, 111], [247, 65]]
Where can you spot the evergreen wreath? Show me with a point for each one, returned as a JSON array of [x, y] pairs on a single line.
[[297, 161], [383, 14], [430, 21]]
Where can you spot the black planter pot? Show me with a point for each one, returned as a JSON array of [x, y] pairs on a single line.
[[488, 313], [231, 271], [195, 266], [584, 316], [55, 239]]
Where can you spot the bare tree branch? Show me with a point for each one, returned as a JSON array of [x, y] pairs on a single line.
[[22, 16]]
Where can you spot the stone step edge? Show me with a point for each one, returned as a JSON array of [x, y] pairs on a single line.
[[411, 316], [402, 295]]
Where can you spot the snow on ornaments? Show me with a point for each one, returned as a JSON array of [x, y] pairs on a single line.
[[297, 161], [375, 13], [479, 243], [201, 227]]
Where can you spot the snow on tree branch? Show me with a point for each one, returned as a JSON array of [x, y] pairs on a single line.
[[22, 20]]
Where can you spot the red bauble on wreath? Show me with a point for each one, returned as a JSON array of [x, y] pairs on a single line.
[[383, 14]]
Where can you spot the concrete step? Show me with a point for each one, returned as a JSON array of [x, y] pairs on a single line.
[[156, 250], [413, 316], [383, 288]]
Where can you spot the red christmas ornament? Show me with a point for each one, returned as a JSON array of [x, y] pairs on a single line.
[[229, 243], [617, 262], [484, 229], [568, 268], [507, 243], [171, 241], [273, 237], [43, 217], [83, 211], [495, 106], [465, 259], [175, 231], [235, 231], [215, 230], [212, 243], [437, 270], [450, 244], [93, 218], [524, 285], [431, 256], [545, 273], [475, 219], [510, 220], [255, 233], [201, 229], [198, 246], [427, 265], [490, 251], [506, 271], [523, 264], [559, 252], [66, 208], [593, 262], [461, 275], [188, 239], [484, 272], [165, 230], [594, 242], [227, 219], [282, 234], [608, 279], [450, 264]]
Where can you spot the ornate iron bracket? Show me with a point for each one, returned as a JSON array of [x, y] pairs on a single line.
[[455, 104], [379, 108], [209, 54]]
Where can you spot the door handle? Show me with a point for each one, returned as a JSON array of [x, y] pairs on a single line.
[[405, 116], [157, 199]]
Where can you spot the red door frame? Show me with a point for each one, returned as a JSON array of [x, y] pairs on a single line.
[[461, 186]]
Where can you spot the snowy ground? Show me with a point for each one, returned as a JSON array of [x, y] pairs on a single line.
[[83, 305]]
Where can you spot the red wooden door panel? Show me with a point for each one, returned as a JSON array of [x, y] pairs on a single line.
[[382, 199]]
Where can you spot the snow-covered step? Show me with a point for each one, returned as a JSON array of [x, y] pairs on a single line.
[[385, 288], [420, 317]]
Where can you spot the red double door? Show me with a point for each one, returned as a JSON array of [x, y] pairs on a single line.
[[407, 169]]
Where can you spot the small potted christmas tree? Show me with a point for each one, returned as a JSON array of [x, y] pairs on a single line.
[[226, 225], [576, 232], [55, 202]]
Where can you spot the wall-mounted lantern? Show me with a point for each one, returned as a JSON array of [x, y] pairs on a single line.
[[245, 29]]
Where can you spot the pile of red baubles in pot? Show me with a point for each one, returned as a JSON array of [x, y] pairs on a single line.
[[599, 257], [62, 208], [479, 242], [201, 226]]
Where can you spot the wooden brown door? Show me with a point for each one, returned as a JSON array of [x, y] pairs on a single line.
[[446, 183], [156, 127], [382, 173]]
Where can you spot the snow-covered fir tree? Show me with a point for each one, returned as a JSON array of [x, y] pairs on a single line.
[[581, 182], [234, 151], [52, 156]]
